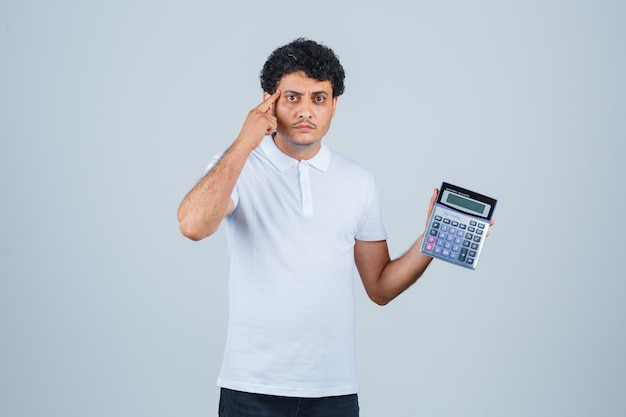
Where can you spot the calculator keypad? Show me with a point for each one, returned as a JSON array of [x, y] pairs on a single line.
[[457, 241]]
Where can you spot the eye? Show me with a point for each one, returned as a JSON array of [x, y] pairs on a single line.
[[292, 98], [319, 99]]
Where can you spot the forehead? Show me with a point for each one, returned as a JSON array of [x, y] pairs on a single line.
[[302, 83]]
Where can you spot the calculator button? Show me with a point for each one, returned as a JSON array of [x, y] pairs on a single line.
[[455, 224], [445, 252], [440, 242], [428, 247], [462, 226], [430, 239], [469, 261], [466, 244], [433, 232], [481, 225], [472, 253], [458, 240], [479, 232], [469, 236], [473, 223], [437, 250], [460, 233], [438, 218], [477, 238], [445, 228], [436, 225], [471, 229], [474, 246], [447, 221]]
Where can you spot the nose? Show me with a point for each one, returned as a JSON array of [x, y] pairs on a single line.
[[305, 109]]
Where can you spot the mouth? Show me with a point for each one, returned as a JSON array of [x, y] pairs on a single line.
[[303, 126]]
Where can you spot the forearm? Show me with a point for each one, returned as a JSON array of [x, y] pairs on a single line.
[[399, 274], [205, 206]]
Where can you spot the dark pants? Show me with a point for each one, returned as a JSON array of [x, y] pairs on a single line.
[[244, 404]]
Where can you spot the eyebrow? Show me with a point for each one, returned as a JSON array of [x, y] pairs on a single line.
[[297, 93]]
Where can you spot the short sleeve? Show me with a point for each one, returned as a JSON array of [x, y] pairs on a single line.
[[371, 227]]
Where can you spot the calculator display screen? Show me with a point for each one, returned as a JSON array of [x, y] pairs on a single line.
[[454, 199], [464, 202]]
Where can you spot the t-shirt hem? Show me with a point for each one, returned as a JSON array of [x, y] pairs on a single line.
[[288, 392], [371, 237]]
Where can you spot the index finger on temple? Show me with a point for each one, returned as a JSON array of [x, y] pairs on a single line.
[[267, 103]]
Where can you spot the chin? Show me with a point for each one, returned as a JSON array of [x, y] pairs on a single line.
[[300, 143]]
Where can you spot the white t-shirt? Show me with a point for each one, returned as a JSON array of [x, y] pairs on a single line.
[[291, 242]]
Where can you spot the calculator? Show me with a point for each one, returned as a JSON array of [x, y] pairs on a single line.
[[458, 226]]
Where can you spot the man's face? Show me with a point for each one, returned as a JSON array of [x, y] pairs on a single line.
[[304, 111]]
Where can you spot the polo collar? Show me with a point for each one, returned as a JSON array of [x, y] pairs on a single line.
[[282, 161]]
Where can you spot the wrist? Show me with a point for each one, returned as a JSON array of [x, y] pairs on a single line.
[[243, 146]]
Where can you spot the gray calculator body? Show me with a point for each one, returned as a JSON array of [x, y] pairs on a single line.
[[458, 226]]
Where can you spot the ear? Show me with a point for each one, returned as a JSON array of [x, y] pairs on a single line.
[[335, 99]]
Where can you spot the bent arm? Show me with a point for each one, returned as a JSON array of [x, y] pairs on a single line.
[[384, 279], [205, 206]]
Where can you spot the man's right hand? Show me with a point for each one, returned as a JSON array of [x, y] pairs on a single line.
[[259, 123], [209, 201]]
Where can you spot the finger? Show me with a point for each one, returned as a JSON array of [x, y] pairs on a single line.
[[491, 223], [433, 200], [270, 128], [431, 207], [268, 102]]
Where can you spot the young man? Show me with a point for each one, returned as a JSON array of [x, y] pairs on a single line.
[[298, 218]]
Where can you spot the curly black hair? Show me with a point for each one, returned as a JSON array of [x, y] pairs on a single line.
[[314, 59]]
